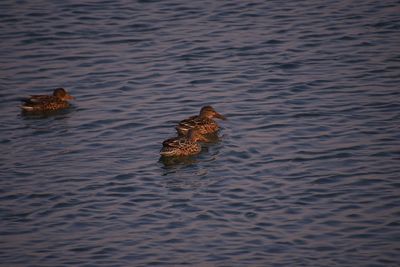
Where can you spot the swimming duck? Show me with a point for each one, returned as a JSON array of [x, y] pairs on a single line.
[[43, 103], [183, 145], [204, 122]]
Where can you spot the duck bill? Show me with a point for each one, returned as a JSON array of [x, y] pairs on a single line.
[[68, 97], [219, 116]]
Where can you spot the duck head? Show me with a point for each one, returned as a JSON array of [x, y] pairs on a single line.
[[210, 113], [62, 94]]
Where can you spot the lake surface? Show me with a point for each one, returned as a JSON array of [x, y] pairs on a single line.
[[306, 171]]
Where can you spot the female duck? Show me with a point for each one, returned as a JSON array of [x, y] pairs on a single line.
[[183, 145], [43, 103], [203, 122]]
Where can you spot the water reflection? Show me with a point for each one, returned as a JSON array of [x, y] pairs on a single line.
[[57, 114], [174, 162]]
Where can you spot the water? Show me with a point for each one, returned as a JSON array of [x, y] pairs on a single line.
[[307, 169]]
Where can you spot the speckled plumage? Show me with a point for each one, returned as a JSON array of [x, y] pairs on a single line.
[[203, 122], [44, 103], [183, 145]]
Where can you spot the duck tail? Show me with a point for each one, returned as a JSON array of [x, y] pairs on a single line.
[[26, 108], [166, 152]]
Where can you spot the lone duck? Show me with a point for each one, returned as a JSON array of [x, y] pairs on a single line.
[[203, 122], [183, 145], [43, 103]]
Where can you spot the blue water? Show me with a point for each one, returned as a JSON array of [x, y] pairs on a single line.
[[306, 171]]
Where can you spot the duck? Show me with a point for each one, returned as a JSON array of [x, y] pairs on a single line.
[[45, 103], [203, 122], [183, 145]]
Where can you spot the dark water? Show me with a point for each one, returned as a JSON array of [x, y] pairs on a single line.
[[307, 169]]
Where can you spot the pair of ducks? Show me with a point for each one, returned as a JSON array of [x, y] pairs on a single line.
[[191, 131]]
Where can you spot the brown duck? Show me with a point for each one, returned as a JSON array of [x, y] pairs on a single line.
[[203, 122], [43, 103], [183, 145]]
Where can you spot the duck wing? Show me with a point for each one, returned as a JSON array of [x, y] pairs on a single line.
[[37, 99], [175, 142], [185, 125]]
